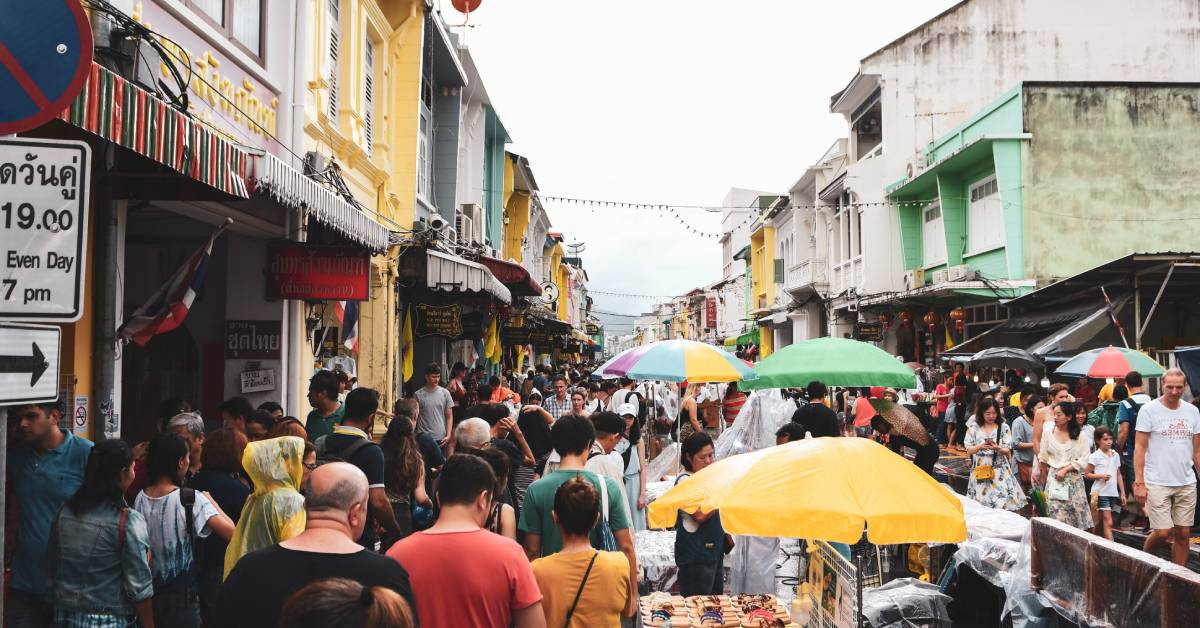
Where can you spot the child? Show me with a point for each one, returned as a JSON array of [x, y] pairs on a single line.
[[1104, 468]]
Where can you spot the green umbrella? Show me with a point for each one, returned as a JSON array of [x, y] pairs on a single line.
[[834, 361]]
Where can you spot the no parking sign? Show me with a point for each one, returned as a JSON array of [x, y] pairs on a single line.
[[45, 56]]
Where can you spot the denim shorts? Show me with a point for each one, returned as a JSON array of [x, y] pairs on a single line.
[[1105, 502]]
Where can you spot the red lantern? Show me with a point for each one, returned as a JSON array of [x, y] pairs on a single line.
[[930, 319], [905, 318], [885, 319], [465, 6], [959, 316]]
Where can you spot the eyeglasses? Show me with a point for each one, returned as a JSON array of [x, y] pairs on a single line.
[[310, 465]]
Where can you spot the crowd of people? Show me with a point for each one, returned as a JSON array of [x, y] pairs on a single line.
[[503, 500]]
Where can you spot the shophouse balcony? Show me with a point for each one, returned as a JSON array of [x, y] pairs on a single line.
[[846, 274], [807, 275]]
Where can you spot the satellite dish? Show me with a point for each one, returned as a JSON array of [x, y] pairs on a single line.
[[549, 292], [466, 6]]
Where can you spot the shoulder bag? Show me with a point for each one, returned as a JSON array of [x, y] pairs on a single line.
[[579, 592], [606, 534]]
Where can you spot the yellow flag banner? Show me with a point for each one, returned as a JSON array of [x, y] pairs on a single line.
[[406, 345]]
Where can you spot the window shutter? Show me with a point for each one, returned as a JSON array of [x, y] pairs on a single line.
[[368, 95], [334, 43], [778, 270]]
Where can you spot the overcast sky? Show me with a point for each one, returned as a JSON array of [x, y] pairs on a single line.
[[669, 101]]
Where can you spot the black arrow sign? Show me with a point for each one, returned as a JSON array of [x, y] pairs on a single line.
[[35, 364]]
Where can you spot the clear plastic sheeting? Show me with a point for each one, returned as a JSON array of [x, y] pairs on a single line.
[[665, 464], [989, 523], [993, 559], [764, 412], [752, 564], [1093, 581], [907, 603]]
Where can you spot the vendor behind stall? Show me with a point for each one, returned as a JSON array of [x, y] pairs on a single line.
[[700, 541]]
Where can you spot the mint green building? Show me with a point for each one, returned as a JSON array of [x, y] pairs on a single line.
[[1050, 180]]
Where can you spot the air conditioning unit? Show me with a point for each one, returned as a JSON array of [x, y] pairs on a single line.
[[914, 279], [472, 218], [463, 228], [939, 277], [916, 165], [962, 272]]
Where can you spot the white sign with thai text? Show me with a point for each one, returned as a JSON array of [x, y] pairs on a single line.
[[43, 220]]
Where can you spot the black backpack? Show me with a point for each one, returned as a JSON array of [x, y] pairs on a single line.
[[345, 454]]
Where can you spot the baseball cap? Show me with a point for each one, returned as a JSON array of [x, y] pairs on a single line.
[[627, 408]]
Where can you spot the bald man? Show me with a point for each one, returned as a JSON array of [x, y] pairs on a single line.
[[335, 504]]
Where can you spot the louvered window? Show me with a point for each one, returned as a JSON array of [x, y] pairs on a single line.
[[334, 44], [368, 94]]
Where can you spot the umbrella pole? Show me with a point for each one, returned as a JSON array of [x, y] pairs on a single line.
[[859, 548]]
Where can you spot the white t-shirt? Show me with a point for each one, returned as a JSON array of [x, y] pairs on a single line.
[[622, 396], [1109, 465], [1169, 453]]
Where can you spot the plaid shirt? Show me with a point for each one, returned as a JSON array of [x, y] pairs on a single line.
[[557, 408]]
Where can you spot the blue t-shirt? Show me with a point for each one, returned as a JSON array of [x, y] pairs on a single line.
[[42, 484], [1125, 414]]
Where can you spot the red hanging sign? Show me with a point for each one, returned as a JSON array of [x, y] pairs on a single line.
[[318, 273], [710, 312]]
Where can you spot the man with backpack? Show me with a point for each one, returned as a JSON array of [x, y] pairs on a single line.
[[1127, 413], [351, 442]]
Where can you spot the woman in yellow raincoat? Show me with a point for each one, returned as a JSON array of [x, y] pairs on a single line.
[[275, 511]]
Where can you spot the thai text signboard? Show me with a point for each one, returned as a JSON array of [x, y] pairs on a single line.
[[438, 320], [318, 273], [253, 340]]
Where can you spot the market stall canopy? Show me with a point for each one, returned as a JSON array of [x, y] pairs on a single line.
[[1110, 362], [441, 271], [1005, 358], [834, 361], [1044, 332], [820, 488], [676, 361], [513, 276]]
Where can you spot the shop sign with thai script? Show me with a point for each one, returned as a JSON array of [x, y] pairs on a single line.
[[868, 332], [710, 312], [260, 380], [438, 320], [253, 340], [223, 95], [318, 273]]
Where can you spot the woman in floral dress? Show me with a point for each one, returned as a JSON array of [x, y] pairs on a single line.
[[989, 443], [1063, 459]]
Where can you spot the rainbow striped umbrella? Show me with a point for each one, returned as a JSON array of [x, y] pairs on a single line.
[[1110, 362], [676, 361]]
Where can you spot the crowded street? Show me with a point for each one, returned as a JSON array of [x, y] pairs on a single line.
[[538, 314]]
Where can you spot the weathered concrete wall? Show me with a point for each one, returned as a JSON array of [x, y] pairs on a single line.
[[942, 73], [1110, 171]]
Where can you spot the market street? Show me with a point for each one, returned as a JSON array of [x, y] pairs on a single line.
[[477, 313]]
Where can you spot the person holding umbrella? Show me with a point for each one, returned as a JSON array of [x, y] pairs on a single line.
[[700, 541]]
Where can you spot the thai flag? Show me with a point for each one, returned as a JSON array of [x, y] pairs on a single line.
[[347, 312], [168, 307]]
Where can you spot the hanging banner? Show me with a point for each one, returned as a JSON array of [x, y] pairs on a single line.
[[710, 312], [437, 320], [318, 273]]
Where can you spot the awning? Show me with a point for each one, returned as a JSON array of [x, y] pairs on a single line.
[[292, 188], [125, 114], [1046, 333], [512, 275], [452, 273], [749, 338]]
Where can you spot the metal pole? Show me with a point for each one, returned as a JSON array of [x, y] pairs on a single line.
[[859, 547], [104, 349], [1153, 306], [1137, 311], [3, 478]]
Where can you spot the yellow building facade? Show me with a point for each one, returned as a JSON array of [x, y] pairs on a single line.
[[762, 281], [361, 113]]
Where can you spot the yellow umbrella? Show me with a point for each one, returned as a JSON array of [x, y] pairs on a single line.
[[829, 489]]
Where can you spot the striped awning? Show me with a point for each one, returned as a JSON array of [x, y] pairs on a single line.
[[451, 273], [125, 114], [291, 187]]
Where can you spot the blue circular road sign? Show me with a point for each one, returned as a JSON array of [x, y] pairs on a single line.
[[45, 58]]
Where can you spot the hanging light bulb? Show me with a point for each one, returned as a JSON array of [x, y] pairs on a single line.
[[1045, 382], [1028, 379]]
